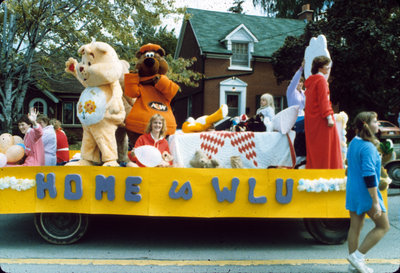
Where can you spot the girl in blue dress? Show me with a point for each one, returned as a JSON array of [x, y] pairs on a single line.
[[362, 194]]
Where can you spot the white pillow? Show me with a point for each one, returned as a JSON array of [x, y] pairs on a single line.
[[283, 121], [148, 155]]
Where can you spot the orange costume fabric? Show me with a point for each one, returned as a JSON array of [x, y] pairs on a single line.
[[150, 100], [322, 141]]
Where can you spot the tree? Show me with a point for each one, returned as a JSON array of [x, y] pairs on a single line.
[[39, 35], [291, 8], [364, 42], [237, 7]]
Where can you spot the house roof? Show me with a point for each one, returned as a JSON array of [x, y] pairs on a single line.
[[210, 27]]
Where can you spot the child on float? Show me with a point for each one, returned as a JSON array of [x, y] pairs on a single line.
[[62, 153], [32, 132], [267, 107], [49, 140], [154, 136], [362, 194]]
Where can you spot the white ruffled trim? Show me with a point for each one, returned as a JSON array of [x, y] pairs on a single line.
[[19, 184], [322, 184]]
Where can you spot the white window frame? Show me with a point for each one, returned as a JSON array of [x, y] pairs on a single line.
[[234, 85], [42, 101], [74, 103], [241, 34]]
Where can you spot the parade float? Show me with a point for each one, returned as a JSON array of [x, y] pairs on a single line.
[[256, 176]]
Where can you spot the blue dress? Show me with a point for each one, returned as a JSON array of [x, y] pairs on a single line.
[[363, 160]]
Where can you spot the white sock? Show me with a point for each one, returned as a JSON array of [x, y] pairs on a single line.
[[359, 255]]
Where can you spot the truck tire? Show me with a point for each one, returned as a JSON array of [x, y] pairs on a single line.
[[61, 228], [393, 170], [328, 231]]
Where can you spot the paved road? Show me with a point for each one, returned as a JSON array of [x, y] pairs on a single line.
[[143, 244]]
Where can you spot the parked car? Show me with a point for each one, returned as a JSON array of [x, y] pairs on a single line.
[[388, 130]]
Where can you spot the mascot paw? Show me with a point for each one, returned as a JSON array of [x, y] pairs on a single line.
[[131, 164], [70, 65], [81, 162], [112, 163]]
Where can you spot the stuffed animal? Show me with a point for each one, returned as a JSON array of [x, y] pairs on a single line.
[[12, 150], [388, 154], [253, 124], [200, 160], [152, 89], [100, 106], [205, 122]]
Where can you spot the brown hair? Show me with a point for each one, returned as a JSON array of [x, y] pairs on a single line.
[[164, 126], [363, 130], [43, 118], [318, 63]]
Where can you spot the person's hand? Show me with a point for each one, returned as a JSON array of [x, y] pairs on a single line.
[[330, 121], [376, 210], [32, 115]]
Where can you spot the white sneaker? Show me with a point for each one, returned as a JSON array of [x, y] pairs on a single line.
[[352, 269], [359, 264]]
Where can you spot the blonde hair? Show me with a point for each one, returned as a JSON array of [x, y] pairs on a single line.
[[361, 124], [56, 123], [164, 124], [269, 99]]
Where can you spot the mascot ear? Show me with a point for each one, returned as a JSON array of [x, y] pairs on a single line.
[[161, 52], [81, 50], [139, 54]]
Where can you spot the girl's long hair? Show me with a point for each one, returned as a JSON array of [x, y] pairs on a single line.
[[362, 128]]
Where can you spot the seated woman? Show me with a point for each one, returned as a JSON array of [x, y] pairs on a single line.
[[62, 143], [154, 136], [33, 132]]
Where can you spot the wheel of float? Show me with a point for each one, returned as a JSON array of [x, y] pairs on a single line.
[[61, 228], [328, 231], [393, 170]]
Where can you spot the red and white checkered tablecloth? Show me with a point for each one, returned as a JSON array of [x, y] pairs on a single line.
[[256, 149]]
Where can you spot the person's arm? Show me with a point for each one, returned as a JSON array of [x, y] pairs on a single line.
[[37, 129], [291, 95], [324, 104], [369, 176]]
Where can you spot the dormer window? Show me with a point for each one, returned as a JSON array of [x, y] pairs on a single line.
[[240, 54], [241, 43]]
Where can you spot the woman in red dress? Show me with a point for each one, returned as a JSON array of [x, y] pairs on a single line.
[[322, 138]]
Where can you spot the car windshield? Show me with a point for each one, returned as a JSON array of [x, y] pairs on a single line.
[[385, 124]]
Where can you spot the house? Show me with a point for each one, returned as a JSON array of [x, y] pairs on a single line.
[[233, 52], [58, 100]]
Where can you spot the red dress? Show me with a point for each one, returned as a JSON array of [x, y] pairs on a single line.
[[322, 141], [62, 146]]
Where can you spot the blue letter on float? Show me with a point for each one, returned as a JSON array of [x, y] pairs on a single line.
[[104, 184], [225, 194], [42, 186], [68, 194], [252, 199], [132, 189], [279, 191], [184, 192]]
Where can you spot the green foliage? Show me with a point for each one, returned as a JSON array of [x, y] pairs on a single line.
[[180, 72], [364, 42], [38, 36]]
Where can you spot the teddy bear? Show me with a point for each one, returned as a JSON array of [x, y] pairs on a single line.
[[152, 89], [205, 122], [12, 149], [201, 160], [100, 108]]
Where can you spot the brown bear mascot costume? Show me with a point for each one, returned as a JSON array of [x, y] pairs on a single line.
[[152, 89]]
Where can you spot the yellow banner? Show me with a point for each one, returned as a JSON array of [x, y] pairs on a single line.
[[271, 193]]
